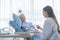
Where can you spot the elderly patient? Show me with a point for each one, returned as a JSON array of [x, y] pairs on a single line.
[[21, 25], [26, 26]]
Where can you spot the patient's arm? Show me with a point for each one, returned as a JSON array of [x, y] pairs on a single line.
[[35, 31]]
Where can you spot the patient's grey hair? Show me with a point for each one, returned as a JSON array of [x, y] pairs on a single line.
[[21, 15]]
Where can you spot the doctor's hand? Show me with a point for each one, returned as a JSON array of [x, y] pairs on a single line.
[[38, 27]]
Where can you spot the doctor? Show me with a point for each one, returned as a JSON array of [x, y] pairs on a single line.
[[50, 28]]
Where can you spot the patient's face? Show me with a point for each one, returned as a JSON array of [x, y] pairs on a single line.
[[23, 18]]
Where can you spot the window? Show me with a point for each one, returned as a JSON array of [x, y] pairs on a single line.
[[4, 13], [32, 9]]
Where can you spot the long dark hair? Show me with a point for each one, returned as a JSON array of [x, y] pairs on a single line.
[[51, 14]]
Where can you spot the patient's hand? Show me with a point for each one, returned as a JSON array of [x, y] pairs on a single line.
[[38, 27]]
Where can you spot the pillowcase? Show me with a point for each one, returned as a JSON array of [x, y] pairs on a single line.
[[16, 27], [17, 20]]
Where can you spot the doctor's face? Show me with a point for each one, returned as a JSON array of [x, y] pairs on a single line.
[[45, 14]]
